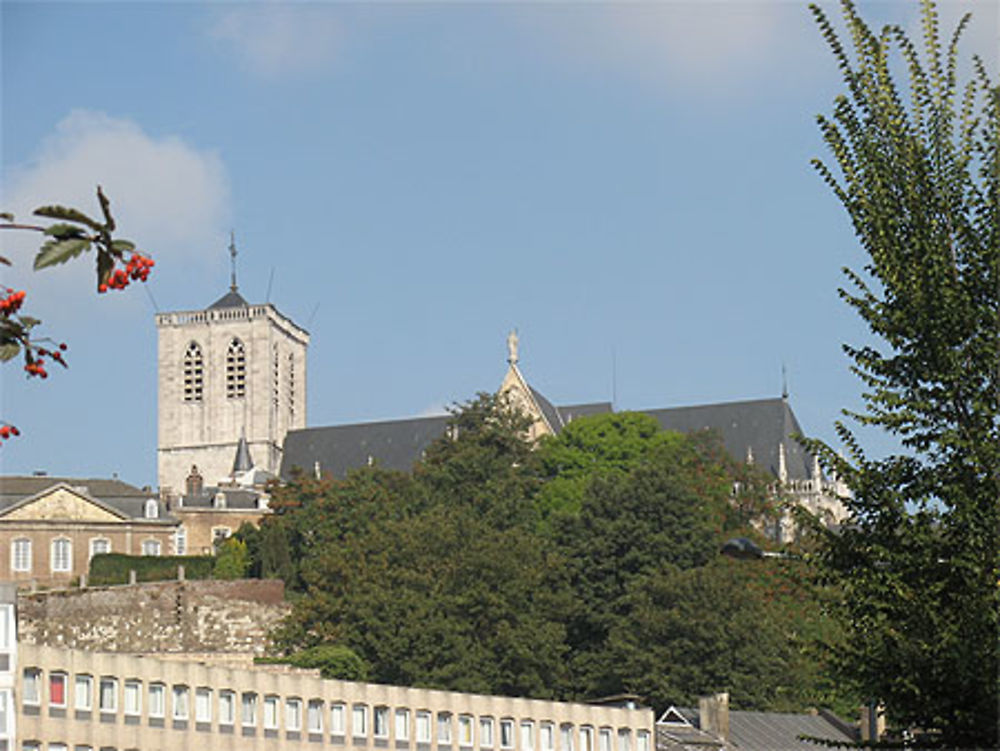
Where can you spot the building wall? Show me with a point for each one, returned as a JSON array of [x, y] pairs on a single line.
[[200, 525], [124, 536], [205, 433], [185, 616], [66, 723]]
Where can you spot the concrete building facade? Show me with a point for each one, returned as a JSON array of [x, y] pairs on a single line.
[[230, 370], [71, 700]]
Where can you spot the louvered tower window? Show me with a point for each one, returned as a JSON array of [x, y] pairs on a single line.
[[236, 370], [194, 378], [275, 383]]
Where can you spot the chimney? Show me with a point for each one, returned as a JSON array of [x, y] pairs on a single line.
[[713, 713], [872, 722]]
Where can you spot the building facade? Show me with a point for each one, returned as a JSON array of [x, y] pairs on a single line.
[[71, 700], [230, 370], [51, 527]]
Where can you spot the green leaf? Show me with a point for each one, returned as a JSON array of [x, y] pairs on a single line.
[[106, 208], [28, 322], [70, 215], [123, 246], [9, 351], [64, 231], [59, 251], [6, 216]]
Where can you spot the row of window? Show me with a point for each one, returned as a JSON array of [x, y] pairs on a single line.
[[61, 551], [226, 707], [194, 371]]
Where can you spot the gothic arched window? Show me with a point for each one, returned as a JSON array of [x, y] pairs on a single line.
[[291, 387], [194, 379], [274, 379], [236, 370]]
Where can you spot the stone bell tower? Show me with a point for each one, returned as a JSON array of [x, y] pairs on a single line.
[[231, 369]]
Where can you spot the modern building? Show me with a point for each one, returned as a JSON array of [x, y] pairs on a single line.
[[232, 369], [71, 700], [52, 526]]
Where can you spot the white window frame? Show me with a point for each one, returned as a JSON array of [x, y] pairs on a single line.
[[566, 737], [151, 509], [486, 732], [20, 554], [359, 721], [154, 545], [6, 712], [94, 542], [380, 722], [54, 676], [586, 738], [547, 736], [624, 739], [227, 707], [61, 555], [157, 700], [133, 686], [402, 723], [180, 541], [444, 728], [272, 709], [83, 692], [338, 718], [8, 629], [604, 741], [103, 706], [203, 704], [527, 735], [180, 702], [642, 740], [293, 714], [248, 709], [423, 726], [466, 730], [314, 717], [508, 729]]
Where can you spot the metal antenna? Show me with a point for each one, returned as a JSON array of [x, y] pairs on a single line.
[[151, 299], [784, 382], [267, 297], [312, 315], [614, 379]]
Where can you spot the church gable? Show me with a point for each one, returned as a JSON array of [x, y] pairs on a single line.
[[62, 503]]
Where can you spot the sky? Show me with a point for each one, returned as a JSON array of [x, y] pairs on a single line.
[[627, 184]]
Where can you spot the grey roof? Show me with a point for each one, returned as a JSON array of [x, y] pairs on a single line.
[[127, 500], [773, 731], [231, 299], [397, 444], [573, 411], [393, 444], [242, 499], [759, 424], [242, 462]]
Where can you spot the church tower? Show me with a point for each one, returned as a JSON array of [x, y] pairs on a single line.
[[230, 370]]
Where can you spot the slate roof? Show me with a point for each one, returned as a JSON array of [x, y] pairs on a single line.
[[117, 495], [760, 731], [760, 424], [231, 299], [393, 444], [242, 499]]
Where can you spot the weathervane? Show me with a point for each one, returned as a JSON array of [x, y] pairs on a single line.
[[232, 260], [512, 347]]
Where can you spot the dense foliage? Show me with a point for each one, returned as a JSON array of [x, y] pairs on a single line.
[[472, 573], [917, 167], [113, 568]]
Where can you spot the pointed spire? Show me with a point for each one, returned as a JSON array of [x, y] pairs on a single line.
[[784, 382], [242, 462], [749, 454], [232, 261], [817, 474]]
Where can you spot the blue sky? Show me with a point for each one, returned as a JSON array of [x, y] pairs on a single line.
[[627, 184]]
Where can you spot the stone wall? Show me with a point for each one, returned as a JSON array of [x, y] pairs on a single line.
[[175, 616]]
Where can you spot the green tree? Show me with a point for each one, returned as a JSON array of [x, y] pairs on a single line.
[[332, 661], [917, 167], [232, 561]]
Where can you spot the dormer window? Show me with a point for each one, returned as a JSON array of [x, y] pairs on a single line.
[[152, 509], [236, 370]]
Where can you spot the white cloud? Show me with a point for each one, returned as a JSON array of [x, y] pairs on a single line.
[[166, 196], [273, 39]]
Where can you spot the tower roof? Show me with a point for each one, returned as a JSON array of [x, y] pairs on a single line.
[[242, 462], [231, 299]]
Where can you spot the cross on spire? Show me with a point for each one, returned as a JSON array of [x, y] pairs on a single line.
[[232, 260]]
